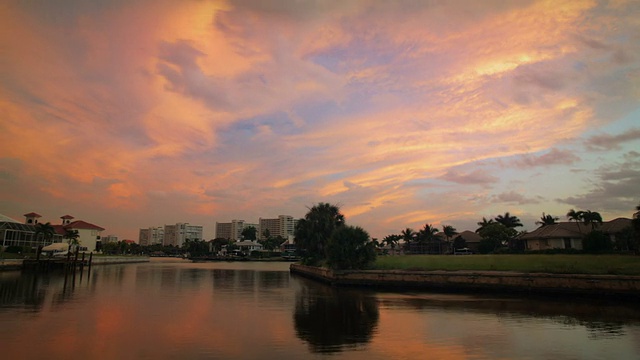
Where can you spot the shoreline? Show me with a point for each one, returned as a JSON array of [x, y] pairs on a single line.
[[618, 286], [18, 264]]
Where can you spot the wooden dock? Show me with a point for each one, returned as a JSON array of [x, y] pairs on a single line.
[[68, 263]]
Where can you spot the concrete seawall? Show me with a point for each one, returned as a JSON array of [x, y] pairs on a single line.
[[498, 281], [109, 260], [17, 264]]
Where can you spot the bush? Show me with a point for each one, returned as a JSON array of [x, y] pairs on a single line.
[[596, 242], [489, 245], [349, 248]]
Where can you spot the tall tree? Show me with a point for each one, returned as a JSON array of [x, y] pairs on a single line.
[[426, 235], [449, 232], [576, 216], [392, 241], [508, 220], [592, 218], [249, 233], [495, 236], [484, 223], [46, 231], [72, 236], [313, 231], [547, 220], [408, 235]]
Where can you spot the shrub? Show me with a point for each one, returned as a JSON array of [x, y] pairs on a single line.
[[596, 242], [349, 248]]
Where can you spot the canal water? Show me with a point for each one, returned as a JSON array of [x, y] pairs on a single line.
[[176, 309]]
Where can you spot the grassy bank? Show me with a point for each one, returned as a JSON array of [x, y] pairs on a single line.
[[557, 264]]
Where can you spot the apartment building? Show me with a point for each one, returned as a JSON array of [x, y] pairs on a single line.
[[283, 225], [177, 234], [151, 236], [232, 230]]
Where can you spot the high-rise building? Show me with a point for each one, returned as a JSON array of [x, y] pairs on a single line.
[[283, 225], [109, 239], [223, 230], [177, 234], [232, 230], [151, 236]]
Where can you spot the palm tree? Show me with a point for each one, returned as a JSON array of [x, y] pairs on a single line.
[[547, 220], [576, 216], [484, 223], [426, 235], [449, 231], [46, 230], [592, 218], [376, 243], [508, 220], [313, 232], [72, 236], [391, 240], [408, 235]]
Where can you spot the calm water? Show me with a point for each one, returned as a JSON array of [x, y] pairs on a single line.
[[174, 309]]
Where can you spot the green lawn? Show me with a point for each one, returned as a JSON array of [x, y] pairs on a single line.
[[559, 264]]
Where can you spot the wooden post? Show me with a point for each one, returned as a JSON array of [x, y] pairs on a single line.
[[82, 264], [90, 260], [75, 260]]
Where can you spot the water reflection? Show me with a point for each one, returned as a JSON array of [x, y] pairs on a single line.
[[601, 318], [332, 319], [31, 291], [247, 311]]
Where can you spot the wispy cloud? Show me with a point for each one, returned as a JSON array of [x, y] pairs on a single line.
[[206, 111], [605, 142]]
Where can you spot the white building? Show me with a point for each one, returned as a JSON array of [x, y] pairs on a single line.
[[13, 233], [151, 236], [88, 234], [247, 246], [177, 234]]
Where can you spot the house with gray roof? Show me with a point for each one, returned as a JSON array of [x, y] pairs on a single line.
[[569, 235]]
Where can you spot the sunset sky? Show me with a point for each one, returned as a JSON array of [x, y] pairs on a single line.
[[131, 114]]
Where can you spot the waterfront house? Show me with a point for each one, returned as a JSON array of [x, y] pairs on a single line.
[[569, 235], [471, 239], [247, 246], [88, 234], [14, 233], [289, 245]]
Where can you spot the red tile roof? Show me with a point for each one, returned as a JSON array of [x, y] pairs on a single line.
[[82, 225], [67, 217], [32, 214], [59, 229]]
